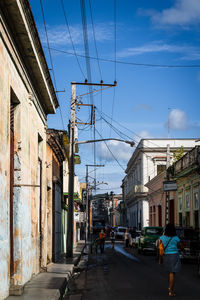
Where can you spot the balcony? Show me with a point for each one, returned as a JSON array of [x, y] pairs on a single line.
[[189, 160], [135, 190]]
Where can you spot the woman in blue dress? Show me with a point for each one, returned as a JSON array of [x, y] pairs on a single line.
[[171, 258]]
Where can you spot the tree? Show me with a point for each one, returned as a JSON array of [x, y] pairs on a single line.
[[178, 154]]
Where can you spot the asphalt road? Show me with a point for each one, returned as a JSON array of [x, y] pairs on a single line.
[[118, 275]]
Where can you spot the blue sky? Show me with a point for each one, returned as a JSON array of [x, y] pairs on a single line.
[[147, 32]]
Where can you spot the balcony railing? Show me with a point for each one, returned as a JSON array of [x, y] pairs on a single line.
[[188, 160]]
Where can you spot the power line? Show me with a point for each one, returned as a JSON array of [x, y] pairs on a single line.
[[131, 131], [94, 37], [111, 152], [51, 60], [74, 53], [115, 58], [115, 38], [129, 63], [86, 46]]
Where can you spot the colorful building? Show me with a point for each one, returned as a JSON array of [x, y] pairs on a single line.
[[147, 161], [186, 171]]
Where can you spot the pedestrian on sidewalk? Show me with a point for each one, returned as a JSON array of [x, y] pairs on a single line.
[[112, 238], [126, 238], [102, 238], [171, 259]]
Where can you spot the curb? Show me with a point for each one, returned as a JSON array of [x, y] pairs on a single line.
[[52, 284]]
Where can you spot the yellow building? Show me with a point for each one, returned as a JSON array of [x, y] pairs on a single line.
[[187, 175]]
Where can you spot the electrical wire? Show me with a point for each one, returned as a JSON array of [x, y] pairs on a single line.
[[94, 37], [86, 46], [111, 152], [131, 131], [70, 36], [129, 63], [115, 38], [51, 60]]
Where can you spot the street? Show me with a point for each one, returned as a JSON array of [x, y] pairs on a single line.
[[119, 275]]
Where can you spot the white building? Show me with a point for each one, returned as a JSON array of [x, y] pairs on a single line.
[[148, 160]]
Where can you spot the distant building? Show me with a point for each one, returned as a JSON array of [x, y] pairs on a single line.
[[115, 200], [147, 161]]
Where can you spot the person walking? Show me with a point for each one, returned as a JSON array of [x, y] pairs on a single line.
[[112, 238], [171, 259], [126, 238], [102, 238]]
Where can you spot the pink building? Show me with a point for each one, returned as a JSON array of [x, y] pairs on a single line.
[[157, 200]]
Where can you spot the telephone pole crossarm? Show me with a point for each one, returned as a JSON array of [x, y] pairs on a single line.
[[93, 83]]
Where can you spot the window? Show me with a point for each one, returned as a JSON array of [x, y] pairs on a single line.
[[187, 201], [161, 168], [187, 219], [180, 219], [196, 219], [180, 203], [196, 200]]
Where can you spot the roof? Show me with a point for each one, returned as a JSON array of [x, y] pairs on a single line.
[[20, 21]]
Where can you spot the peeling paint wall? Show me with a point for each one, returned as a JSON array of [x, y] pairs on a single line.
[[49, 202], [54, 198], [28, 124]]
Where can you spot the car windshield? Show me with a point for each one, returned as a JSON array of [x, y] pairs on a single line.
[[122, 229], [154, 231]]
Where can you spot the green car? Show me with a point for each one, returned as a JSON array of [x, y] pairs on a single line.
[[148, 238]]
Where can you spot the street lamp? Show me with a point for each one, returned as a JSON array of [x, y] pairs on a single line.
[[131, 143]]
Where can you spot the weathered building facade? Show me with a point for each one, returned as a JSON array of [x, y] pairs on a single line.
[[148, 160], [56, 155], [186, 171], [26, 97]]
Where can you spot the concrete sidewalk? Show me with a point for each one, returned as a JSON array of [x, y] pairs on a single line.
[[52, 285]]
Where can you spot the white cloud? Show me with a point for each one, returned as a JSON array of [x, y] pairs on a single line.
[[58, 35], [182, 13], [186, 52], [145, 134], [178, 120], [120, 150]]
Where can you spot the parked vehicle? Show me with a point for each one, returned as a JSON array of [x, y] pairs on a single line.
[[120, 231], [134, 239], [148, 238], [190, 241]]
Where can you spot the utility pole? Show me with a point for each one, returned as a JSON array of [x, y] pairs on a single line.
[[70, 219], [88, 202], [167, 192]]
